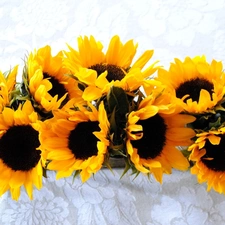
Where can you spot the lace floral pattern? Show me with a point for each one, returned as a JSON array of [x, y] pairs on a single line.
[[47, 209], [107, 199], [173, 29]]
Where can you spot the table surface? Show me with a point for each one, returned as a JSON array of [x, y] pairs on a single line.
[[107, 199], [173, 29]]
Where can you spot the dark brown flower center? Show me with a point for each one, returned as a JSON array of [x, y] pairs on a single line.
[[82, 141], [154, 137], [57, 88], [114, 72], [18, 148], [193, 88], [217, 155]]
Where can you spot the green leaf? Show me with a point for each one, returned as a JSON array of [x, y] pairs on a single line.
[[112, 120], [136, 175], [77, 172], [81, 86], [117, 98], [127, 167], [107, 164], [44, 172], [186, 153], [215, 124]]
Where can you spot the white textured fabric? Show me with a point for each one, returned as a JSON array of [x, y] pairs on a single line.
[[173, 28]]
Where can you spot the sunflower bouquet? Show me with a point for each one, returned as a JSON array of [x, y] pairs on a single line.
[[83, 109], [200, 88]]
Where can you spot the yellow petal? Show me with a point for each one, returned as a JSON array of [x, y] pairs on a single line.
[[55, 142], [87, 76], [4, 188], [17, 179], [84, 175], [11, 79], [58, 165], [143, 59], [113, 50], [60, 154], [29, 187], [63, 173], [8, 115], [203, 68], [180, 134], [148, 112], [101, 81], [204, 97], [15, 193], [176, 158], [215, 140], [158, 174], [91, 93], [36, 178]]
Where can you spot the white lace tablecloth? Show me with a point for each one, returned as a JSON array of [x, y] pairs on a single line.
[[107, 199], [173, 28]]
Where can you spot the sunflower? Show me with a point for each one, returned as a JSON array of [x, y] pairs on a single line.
[[47, 82], [75, 141], [198, 84], [20, 162], [153, 132], [112, 68], [208, 155], [7, 86]]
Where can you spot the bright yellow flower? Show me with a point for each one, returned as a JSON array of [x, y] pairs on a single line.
[[7, 85], [19, 158], [208, 154], [198, 84], [153, 133], [75, 141], [99, 71], [48, 82]]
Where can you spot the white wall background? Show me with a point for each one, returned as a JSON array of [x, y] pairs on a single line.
[[173, 28]]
